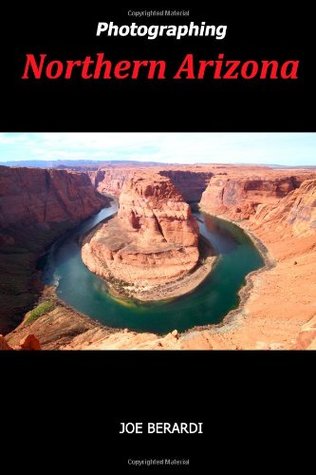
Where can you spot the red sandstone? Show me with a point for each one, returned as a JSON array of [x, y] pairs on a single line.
[[152, 241]]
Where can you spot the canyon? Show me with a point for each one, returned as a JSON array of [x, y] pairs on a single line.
[[36, 207], [275, 206]]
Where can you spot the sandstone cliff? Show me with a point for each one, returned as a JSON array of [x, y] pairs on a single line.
[[153, 207], [189, 181], [36, 206], [238, 197], [296, 213], [152, 241], [272, 199], [32, 196], [111, 180]]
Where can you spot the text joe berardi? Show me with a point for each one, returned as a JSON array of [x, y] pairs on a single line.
[[161, 428]]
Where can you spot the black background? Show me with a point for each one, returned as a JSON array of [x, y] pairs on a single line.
[[66, 408], [254, 33]]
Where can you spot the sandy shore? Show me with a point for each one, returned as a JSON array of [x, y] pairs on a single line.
[[234, 317], [174, 289]]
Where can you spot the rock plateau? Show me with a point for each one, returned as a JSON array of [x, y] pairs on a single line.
[[152, 243]]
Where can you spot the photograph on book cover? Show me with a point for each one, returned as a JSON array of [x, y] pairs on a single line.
[[157, 181], [153, 241]]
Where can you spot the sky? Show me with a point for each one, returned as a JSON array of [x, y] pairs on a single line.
[[290, 149]]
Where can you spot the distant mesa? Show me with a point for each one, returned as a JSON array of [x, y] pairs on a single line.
[[71, 164]]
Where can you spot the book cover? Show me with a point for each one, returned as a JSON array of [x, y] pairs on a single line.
[[157, 227]]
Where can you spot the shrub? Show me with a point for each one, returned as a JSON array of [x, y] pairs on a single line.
[[40, 310]]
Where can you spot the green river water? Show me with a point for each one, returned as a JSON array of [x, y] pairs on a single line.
[[209, 303]]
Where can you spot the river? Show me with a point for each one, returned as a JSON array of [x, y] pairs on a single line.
[[209, 303]]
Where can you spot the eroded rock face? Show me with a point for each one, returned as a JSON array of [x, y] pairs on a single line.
[[154, 208], [111, 180], [29, 342], [239, 197], [296, 212], [191, 184], [31, 196], [282, 300], [189, 181], [152, 241], [307, 336], [36, 206], [4, 346]]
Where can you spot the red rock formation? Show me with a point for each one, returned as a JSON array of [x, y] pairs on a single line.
[[36, 206], [307, 337], [296, 212], [30, 342], [239, 197], [152, 241], [282, 302], [191, 184], [190, 181], [153, 207], [111, 180], [4, 346], [35, 196], [272, 200]]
